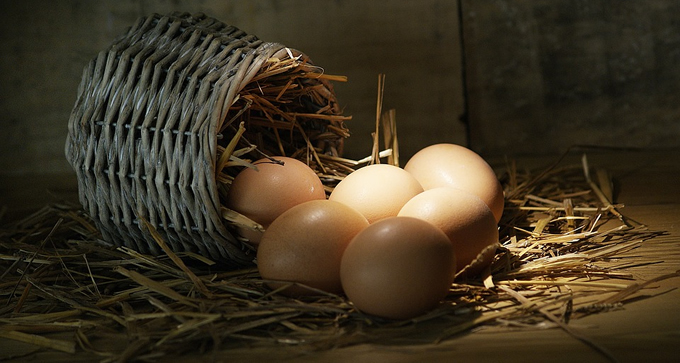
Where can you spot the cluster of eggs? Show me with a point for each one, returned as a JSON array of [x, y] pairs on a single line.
[[391, 239]]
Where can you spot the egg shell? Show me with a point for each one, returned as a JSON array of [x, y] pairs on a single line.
[[377, 191], [264, 194], [397, 268], [442, 165], [465, 219], [305, 245]]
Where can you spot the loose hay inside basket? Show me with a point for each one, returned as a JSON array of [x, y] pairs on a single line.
[[166, 116]]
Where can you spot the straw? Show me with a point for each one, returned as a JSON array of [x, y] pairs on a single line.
[[554, 264]]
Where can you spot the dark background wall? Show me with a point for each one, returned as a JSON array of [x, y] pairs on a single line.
[[529, 76], [46, 44], [547, 74]]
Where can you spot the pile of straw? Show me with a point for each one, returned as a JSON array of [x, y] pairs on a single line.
[[560, 235]]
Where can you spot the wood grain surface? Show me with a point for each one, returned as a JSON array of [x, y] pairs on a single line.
[[646, 328]]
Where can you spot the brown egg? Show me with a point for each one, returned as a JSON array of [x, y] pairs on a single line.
[[377, 191], [263, 194], [465, 219], [305, 245], [397, 268], [450, 165]]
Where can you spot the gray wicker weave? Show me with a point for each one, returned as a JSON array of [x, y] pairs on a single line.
[[143, 134]]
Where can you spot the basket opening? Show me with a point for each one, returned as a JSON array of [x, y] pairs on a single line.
[[288, 109]]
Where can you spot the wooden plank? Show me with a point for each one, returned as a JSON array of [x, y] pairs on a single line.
[[545, 75], [47, 44], [22, 194]]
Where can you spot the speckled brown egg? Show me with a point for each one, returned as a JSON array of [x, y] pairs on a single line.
[[377, 191], [264, 194], [305, 245], [465, 219], [450, 165], [397, 268]]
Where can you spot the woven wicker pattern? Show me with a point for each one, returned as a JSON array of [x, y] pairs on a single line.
[[143, 134]]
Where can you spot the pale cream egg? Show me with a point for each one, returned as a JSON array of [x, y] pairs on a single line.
[[450, 165], [377, 191]]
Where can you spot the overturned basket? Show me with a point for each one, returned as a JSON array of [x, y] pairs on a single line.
[[167, 115]]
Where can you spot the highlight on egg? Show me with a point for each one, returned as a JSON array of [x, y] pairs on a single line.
[[377, 191], [397, 268], [451, 165], [305, 245], [392, 240], [276, 186], [465, 219]]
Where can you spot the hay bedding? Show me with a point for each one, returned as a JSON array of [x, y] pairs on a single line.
[[563, 256]]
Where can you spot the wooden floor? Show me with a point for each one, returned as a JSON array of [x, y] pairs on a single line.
[[645, 329]]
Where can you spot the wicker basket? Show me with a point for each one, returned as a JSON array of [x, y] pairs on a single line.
[[153, 112]]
